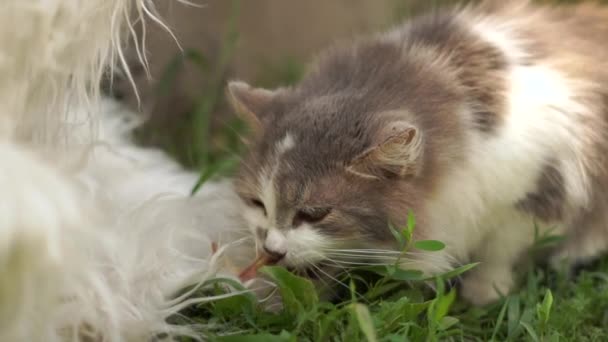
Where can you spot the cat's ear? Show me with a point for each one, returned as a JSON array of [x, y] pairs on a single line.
[[249, 102], [396, 153]]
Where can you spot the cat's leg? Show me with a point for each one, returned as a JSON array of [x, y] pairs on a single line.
[[587, 241], [491, 279], [38, 208], [497, 254]]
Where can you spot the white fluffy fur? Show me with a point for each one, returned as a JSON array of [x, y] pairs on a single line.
[[544, 119], [97, 235]]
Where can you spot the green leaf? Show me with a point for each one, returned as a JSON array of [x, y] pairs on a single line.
[[544, 310], [254, 338], [429, 245], [328, 322], [298, 293], [381, 289], [398, 237], [244, 301], [364, 319], [411, 221], [233, 305], [442, 306], [514, 316], [499, 320], [395, 273], [530, 331], [392, 314], [407, 275], [548, 241], [408, 232], [447, 322]]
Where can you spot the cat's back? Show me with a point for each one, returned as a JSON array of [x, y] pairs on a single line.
[[571, 37], [564, 35]]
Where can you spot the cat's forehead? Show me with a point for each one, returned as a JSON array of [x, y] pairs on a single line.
[[294, 166], [302, 156], [311, 137], [320, 130]]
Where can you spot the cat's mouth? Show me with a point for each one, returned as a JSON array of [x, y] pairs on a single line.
[[251, 271], [263, 259]]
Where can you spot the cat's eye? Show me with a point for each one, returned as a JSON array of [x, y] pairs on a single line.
[[254, 202], [310, 215]]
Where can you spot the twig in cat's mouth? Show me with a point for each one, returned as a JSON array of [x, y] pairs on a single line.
[[251, 271]]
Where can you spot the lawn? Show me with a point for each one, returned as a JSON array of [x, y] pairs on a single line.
[[382, 304], [548, 307]]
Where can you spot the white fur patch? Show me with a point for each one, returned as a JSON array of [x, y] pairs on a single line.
[[499, 33], [276, 242], [305, 246], [477, 200], [267, 188], [268, 194], [286, 144], [97, 235]]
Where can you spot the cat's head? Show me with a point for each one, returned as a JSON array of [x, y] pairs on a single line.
[[318, 186], [354, 147]]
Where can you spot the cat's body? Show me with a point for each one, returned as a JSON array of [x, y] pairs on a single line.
[[483, 121]]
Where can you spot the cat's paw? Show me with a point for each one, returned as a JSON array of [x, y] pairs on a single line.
[[483, 287]]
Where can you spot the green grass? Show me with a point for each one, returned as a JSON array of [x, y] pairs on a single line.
[[381, 304], [390, 304]]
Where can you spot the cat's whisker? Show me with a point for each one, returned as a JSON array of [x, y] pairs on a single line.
[[362, 253], [348, 255], [362, 258], [270, 295], [343, 261], [365, 251], [332, 263], [330, 257], [333, 278], [373, 250], [316, 270], [356, 263]]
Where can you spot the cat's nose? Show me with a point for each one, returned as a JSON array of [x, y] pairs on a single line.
[[275, 244], [274, 254]]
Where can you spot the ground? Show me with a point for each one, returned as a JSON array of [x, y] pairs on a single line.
[[386, 304]]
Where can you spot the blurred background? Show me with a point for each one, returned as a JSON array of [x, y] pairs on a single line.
[[264, 42]]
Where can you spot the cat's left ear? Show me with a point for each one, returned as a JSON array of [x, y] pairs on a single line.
[[396, 153], [249, 102]]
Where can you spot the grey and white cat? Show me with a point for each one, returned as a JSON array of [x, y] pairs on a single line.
[[483, 121]]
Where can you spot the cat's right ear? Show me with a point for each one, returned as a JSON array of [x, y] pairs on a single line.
[[249, 103], [395, 154]]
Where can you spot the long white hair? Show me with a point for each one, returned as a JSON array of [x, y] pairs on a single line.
[[97, 235]]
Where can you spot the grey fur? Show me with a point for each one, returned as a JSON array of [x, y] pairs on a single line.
[[547, 203]]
